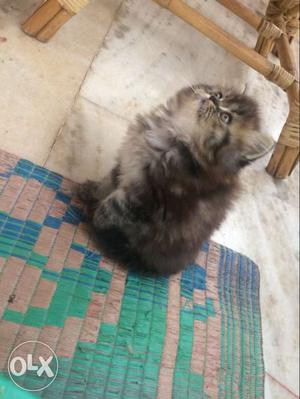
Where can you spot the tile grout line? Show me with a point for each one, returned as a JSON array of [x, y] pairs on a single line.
[[282, 385], [105, 109], [82, 82]]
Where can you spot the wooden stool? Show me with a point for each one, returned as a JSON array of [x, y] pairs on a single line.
[[50, 16], [276, 31]]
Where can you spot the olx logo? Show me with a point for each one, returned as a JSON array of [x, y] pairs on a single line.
[[28, 366], [33, 366]]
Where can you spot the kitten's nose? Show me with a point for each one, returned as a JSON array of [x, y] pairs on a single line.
[[214, 100]]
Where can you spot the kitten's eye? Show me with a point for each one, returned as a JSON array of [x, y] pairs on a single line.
[[219, 95], [226, 117]]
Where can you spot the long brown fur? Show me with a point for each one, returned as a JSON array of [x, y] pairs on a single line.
[[175, 178]]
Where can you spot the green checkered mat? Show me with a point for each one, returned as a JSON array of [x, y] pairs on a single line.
[[116, 334]]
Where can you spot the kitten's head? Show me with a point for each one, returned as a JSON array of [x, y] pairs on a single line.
[[220, 126]]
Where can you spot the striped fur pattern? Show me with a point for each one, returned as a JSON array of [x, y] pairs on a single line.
[[175, 178]]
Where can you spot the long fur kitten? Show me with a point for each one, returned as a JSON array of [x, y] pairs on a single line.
[[175, 178]]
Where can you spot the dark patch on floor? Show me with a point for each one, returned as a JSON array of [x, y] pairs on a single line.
[[11, 298], [121, 30]]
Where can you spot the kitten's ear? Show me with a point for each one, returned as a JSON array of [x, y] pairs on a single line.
[[257, 145], [233, 158]]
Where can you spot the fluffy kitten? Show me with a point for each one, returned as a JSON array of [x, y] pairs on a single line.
[[175, 178]]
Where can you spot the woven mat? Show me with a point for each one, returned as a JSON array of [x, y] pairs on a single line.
[[118, 334]]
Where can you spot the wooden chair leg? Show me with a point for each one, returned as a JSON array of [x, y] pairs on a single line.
[[285, 157], [286, 153], [285, 15], [50, 16]]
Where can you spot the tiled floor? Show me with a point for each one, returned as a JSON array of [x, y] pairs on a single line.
[[67, 104], [39, 82]]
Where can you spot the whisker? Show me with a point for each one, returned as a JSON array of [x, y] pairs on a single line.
[[185, 78], [189, 84], [180, 76]]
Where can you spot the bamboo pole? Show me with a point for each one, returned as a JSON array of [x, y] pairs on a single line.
[[283, 14], [264, 46], [53, 25], [243, 12], [285, 157], [268, 31], [288, 61], [41, 17], [50, 16], [227, 41]]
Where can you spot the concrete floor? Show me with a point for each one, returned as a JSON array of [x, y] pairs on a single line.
[[67, 104]]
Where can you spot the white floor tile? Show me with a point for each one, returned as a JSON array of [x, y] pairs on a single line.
[[273, 390], [39, 81], [88, 143]]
